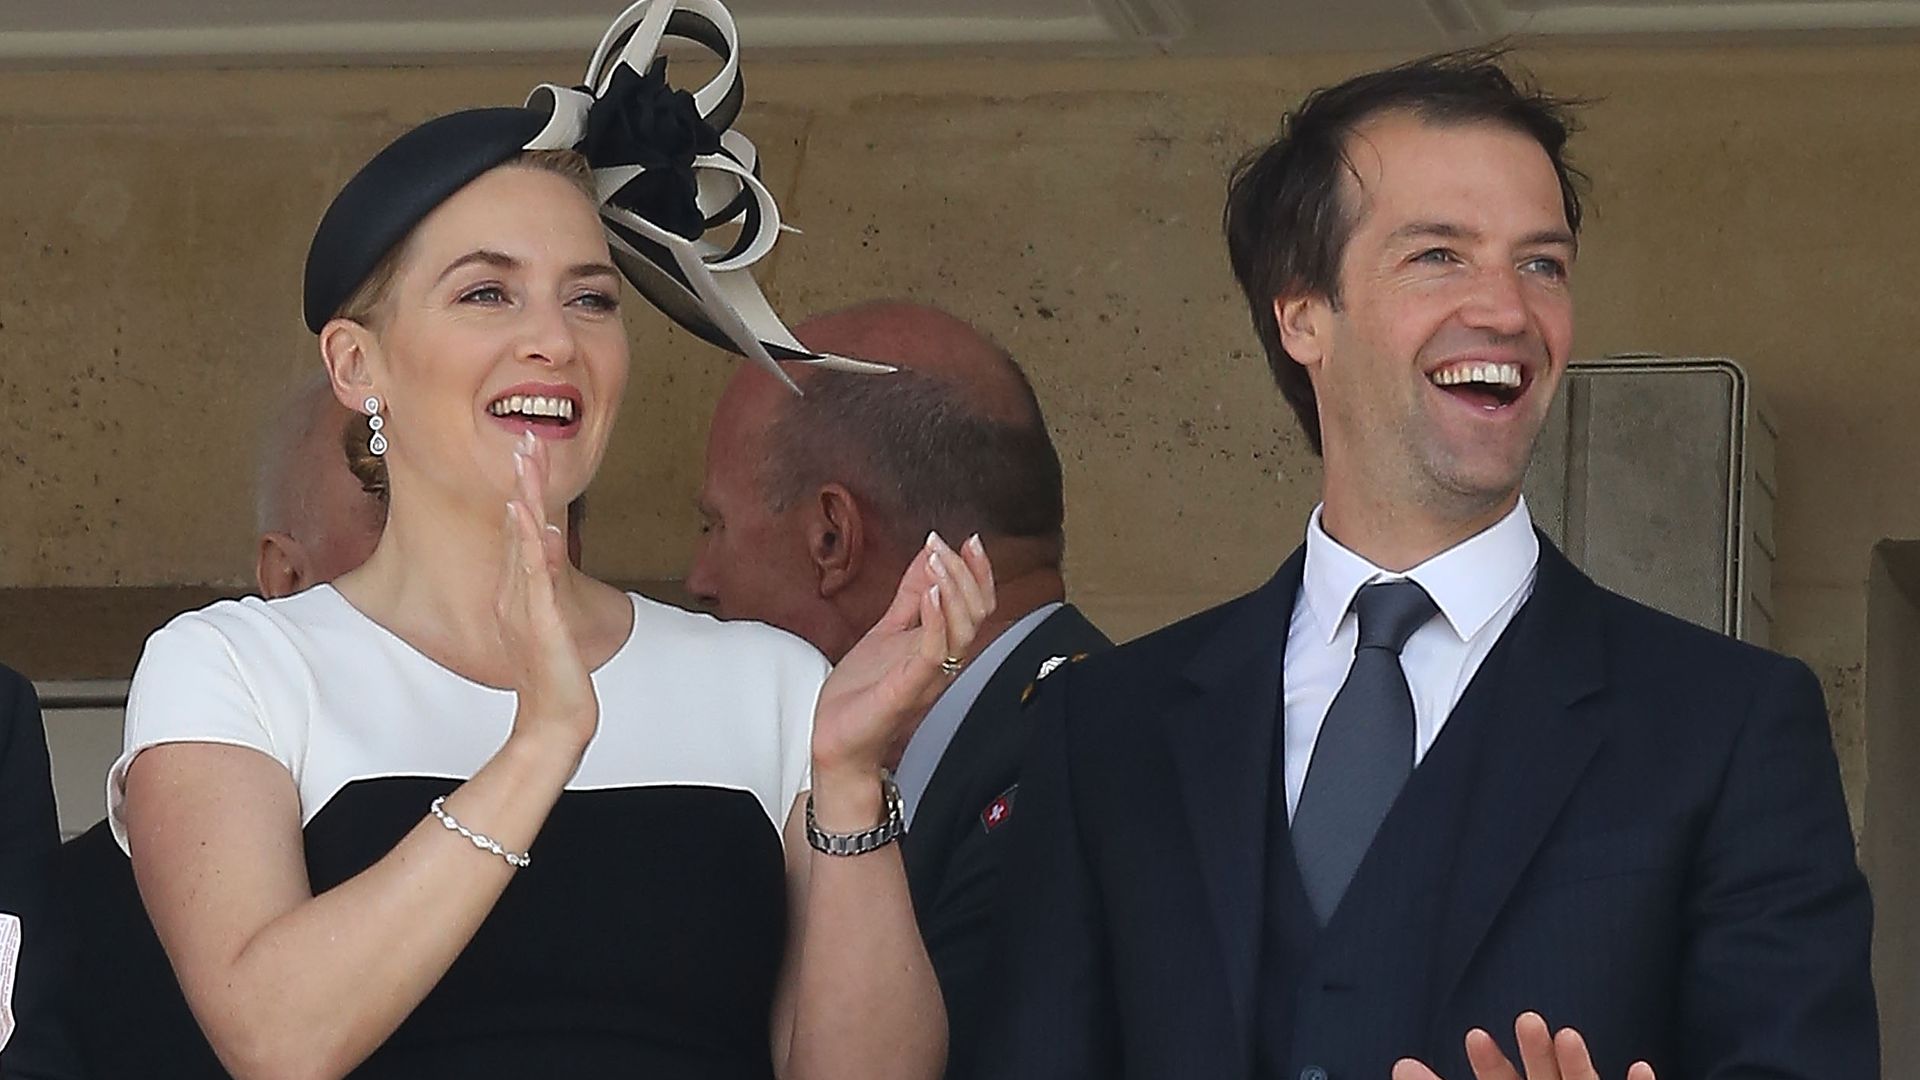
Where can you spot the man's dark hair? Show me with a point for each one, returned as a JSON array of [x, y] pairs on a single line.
[[1286, 223], [921, 451]]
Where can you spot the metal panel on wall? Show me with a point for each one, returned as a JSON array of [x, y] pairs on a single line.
[[1655, 476]]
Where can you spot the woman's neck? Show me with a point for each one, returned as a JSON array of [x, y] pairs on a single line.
[[434, 577]]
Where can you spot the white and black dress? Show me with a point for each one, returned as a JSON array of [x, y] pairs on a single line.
[[646, 937]]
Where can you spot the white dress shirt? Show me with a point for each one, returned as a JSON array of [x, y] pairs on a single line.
[[929, 741], [1477, 584]]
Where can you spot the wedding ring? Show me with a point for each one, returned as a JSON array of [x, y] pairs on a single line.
[[950, 665]]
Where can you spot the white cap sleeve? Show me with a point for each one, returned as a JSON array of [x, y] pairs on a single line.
[[190, 686], [800, 697]]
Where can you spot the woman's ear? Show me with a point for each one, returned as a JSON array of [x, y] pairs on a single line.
[[1305, 324], [350, 351]]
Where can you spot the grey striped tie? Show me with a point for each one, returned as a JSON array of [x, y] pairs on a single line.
[[1365, 750]]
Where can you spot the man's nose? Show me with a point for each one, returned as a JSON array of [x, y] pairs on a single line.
[[1497, 303], [700, 584]]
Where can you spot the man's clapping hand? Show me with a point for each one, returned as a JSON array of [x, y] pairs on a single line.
[[1544, 1055]]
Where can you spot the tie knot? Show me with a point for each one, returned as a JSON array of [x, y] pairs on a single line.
[[1390, 612]]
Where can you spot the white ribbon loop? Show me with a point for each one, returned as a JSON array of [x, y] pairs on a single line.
[[703, 285]]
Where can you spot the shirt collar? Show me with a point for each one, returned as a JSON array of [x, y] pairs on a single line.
[[1469, 582]]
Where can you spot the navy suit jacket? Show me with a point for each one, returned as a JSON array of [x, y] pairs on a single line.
[[1654, 848], [954, 852], [29, 828]]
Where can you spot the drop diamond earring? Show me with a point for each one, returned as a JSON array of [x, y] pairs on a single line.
[[377, 444]]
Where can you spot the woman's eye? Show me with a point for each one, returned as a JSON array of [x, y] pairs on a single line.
[[598, 301], [484, 294]]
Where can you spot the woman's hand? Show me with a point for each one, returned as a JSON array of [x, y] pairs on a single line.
[[557, 701], [894, 673]]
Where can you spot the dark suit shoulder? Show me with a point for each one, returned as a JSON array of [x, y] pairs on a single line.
[[1652, 643], [13, 687], [1162, 654]]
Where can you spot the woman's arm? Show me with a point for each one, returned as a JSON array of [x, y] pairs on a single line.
[[858, 996], [288, 984]]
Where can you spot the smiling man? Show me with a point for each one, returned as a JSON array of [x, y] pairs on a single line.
[[1429, 782]]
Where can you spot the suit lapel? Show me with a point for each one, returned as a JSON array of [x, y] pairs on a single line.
[[987, 725], [1221, 742], [1535, 745]]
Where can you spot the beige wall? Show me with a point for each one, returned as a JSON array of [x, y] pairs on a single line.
[[1754, 203]]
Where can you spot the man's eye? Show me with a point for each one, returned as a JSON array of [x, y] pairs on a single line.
[[484, 294], [1436, 255], [1546, 266]]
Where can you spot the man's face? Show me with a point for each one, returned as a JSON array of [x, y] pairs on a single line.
[[752, 562], [331, 524], [1455, 320], [343, 522]]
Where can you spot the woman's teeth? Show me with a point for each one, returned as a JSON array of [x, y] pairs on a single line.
[[556, 408], [1489, 374]]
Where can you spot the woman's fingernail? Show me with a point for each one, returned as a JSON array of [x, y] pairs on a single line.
[[519, 463], [554, 529], [526, 442], [974, 543], [934, 594], [939, 567], [933, 540], [510, 515]]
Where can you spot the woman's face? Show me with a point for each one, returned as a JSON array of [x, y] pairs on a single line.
[[503, 318]]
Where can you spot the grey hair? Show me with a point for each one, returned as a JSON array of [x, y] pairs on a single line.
[[922, 454]]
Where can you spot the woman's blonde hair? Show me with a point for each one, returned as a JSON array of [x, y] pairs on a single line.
[[366, 303]]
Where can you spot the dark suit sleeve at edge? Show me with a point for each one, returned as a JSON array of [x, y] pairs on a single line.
[[29, 828], [1054, 1018], [1777, 975], [958, 930]]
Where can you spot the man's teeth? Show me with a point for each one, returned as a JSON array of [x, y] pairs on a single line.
[[558, 408], [1490, 374]]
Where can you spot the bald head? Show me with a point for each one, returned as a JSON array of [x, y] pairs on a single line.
[[315, 520], [930, 342], [862, 467]]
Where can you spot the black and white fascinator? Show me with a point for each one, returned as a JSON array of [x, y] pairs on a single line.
[[685, 211]]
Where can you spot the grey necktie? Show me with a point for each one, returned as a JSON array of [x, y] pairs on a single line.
[[1365, 750]]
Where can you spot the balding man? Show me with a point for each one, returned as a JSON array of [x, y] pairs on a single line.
[[317, 519], [813, 508]]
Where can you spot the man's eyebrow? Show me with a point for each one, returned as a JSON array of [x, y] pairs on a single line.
[[1439, 229], [1442, 230], [1550, 236]]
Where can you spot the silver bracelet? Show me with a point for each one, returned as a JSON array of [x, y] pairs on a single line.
[[891, 828], [482, 841]]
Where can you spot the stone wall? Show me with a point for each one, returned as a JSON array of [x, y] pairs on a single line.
[[1750, 202]]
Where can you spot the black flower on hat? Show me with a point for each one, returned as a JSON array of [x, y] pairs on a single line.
[[642, 121]]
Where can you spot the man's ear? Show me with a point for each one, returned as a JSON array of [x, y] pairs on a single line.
[[350, 351], [1306, 325], [281, 567], [836, 539]]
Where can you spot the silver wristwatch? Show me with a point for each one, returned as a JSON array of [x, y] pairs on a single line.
[[860, 843]]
